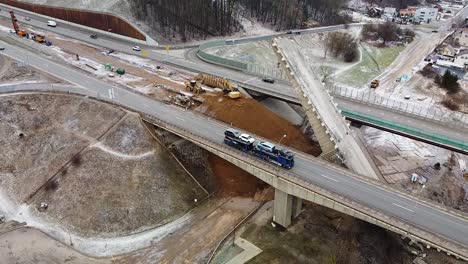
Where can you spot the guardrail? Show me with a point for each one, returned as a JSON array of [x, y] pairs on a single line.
[[409, 130], [393, 223], [432, 112]]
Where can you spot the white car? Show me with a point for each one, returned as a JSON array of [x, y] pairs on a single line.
[[27, 18], [51, 23], [407, 96], [247, 138], [136, 48]]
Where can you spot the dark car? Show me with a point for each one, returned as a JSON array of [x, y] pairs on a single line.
[[435, 31], [268, 80], [298, 32], [2, 48], [232, 133], [289, 32], [93, 36]]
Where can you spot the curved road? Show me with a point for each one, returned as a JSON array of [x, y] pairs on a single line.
[[453, 228]]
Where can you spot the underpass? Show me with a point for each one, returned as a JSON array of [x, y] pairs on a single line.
[[310, 179], [442, 135]]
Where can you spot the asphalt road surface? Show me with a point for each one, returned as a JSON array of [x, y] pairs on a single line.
[[279, 89], [405, 208]]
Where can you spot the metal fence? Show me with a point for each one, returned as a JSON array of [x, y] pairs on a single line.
[[256, 69], [432, 112], [216, 59]]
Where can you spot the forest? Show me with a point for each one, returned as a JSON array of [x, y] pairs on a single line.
[[198, 19]]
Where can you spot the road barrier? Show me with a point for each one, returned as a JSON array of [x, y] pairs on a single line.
[[406, 129], [431, 112]]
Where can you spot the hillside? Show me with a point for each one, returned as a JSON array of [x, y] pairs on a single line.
[[180, 20]]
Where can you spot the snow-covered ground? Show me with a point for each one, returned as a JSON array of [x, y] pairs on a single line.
[[93, 246]]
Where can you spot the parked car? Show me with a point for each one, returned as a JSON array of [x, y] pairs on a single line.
[[268, 80], [110, 51], [407, 97], [93, 36], [51, 23], [136, 48], [27, 18], [298, 32], [289, 32], [435, 31], [2, 48]]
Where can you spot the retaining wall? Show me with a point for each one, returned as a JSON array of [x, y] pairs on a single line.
[[102, 21]]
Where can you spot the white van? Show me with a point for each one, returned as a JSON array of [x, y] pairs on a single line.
[[51, 23]]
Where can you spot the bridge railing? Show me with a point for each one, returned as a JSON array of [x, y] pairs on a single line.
[[432, 112], [396, 224]]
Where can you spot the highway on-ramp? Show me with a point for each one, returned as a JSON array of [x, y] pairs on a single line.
[[424, 215]]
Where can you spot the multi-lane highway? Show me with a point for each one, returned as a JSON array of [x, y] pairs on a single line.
[[424, 215], [281, 90]]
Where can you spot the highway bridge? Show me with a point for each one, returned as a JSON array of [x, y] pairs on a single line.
[[437, 130], [311, 179]]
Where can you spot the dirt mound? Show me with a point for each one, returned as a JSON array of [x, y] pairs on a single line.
[[251, 116]]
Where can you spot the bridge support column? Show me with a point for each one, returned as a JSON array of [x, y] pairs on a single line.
[[285, 208]]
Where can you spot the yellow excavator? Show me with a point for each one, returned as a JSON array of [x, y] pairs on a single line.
[[194, 87], [218, 82]]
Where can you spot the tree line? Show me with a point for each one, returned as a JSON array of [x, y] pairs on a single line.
[[189, 19]]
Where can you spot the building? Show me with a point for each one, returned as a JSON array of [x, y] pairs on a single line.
[[461, 59], [446, 52], [462, 37], [426, 14], [390, 12], [408, 12]]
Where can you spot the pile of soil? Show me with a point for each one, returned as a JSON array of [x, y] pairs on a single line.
[[249, 115]]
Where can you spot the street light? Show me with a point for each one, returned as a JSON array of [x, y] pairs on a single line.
[[284, 136]]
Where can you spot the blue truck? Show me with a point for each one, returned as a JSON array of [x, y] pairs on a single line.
[[264, 150]]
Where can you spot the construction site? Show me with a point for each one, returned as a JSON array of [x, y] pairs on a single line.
[[86, 179]]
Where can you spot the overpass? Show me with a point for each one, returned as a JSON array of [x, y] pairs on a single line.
[[440, 128], [311, 179]]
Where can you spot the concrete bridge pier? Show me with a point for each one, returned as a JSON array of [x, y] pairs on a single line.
[[286, 207]]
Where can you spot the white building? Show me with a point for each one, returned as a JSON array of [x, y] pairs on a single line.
[[390, 12], [426, 14]]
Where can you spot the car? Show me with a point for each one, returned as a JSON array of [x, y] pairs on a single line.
[[93, 36], [110, 51], [268, 80], [407, 97], [2, 48], [51, 23], [27, 18], [232, 133], [247, 138], [111, 75], [267, 146], [298, 32], [136, 48], [435, 31], [12, 31], [172, 73], [289, 32]]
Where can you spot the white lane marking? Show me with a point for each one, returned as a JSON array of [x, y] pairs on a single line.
[[329, 178], [403, 207], [181, 119]]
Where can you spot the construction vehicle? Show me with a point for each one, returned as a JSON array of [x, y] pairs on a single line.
[[374, 84], [218, 82], [39, 38], [18, 31], [193, 86]]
